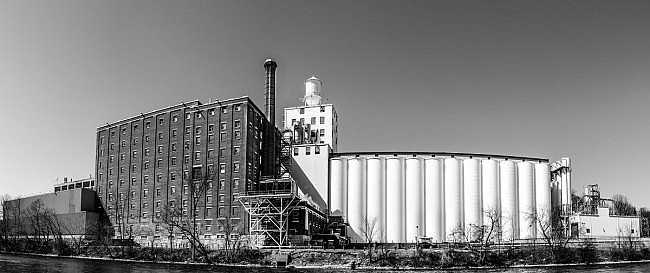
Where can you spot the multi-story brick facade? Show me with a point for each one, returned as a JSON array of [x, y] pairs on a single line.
[[142, 161]]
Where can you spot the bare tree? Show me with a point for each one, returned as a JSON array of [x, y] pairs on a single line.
[[231, 245], [622, 205], [369, 230], [551, 225]]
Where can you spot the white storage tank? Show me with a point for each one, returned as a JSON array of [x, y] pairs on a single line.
[[509, 214], [434, 200], [526, 200], [356, 198], [395, 200], [491, 195], [377, 198], [414, 198], [472, 196], [542, 193], [453, 198], [338, 200]]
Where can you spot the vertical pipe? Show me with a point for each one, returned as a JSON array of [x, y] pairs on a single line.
[[269, 92], [434, 200], [357, 199], [395, 202], [453, 199], [377, 198], [414, 199]]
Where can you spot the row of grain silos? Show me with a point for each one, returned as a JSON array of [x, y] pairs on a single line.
[[398, 198]]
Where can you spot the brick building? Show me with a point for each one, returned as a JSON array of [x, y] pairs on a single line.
[[142, 162]]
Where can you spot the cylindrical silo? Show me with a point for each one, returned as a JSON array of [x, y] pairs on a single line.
[[526, 200], [338, 200], [491, 196], [473, 205], [356, 198], [377, 198], [542, 193], [395, 202], [414, 198], [509, 215], [434, 200], [453, 199]]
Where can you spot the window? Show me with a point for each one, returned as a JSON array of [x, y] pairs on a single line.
[[313, 120], [237, 123], [160, 149], [211, 112], [236, 150], [296, 151], [322, 132], [223, 137], [235, 211], [110, 171], [112, 146], [132, 194], [223, 126], [224, 109], [110, 197], [158, 192], [135, 154], [237, 134], [208, 228], [188, 116], [146, 165], [101, 151], [173, 161], [222, 184], [235, 167], [159, 178], [302, 111], [187, 144], [172, 176], [235, 183], [122, 156], [123, 143], [307, 150], [134, 168], [211, 128], [293, 121], [159, 165], [175, 118], [188, 130], [160, 135], [210, 138], [124, 131], [144, 215], [317, 150], [199, 115], [174, 132], [160, 122], [146, 180], [185, 203], [302, 120], [238, 107], [197, 156], [111, 159], [210, 153], [322, 120], [147, 124], [173, 147], [208, 212], [157, 204], [208, 199], [222, 168], [198, 130], [220, 213], [133, 180], [145, 193], [322, 109], [146, 138], [187, 159], [198, 140], [101, 140]]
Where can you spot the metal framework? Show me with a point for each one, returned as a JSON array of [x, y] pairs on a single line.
[[269, 210]]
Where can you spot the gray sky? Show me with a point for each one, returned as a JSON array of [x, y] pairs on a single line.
[[530, 78]]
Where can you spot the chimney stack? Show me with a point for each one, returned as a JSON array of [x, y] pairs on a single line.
[[269, 92]]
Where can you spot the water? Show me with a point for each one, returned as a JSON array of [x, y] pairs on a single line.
[[21, 263]]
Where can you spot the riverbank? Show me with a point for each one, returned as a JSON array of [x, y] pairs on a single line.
[[334, 264]]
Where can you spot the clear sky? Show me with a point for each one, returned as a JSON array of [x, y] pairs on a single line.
[[531, 78]]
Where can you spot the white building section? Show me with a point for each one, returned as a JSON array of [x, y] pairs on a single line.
[[309, 168], [603, 225], [338, 186], [526, 187], [453, 199], [491, 192], [509, 213]]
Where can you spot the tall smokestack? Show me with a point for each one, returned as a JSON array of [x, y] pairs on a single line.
[[269, 92]]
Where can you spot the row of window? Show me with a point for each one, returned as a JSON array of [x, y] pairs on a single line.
[[313, 120], [188, 116], [302, 110], [222, 136], [296, 150], [222, 169]]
